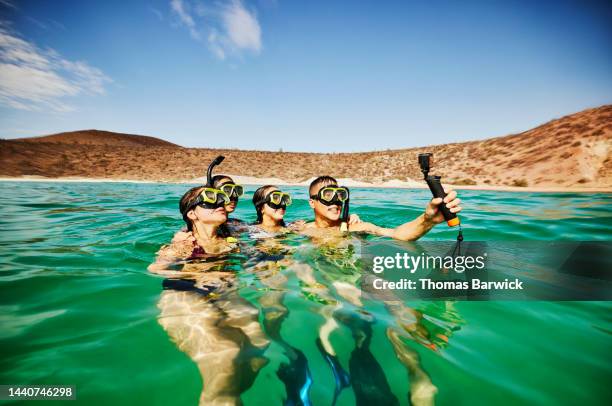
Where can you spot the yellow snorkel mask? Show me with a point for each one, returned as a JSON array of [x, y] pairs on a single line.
[[278, 199], [332, 195], [335, 195], [211, 198], [233, 190]]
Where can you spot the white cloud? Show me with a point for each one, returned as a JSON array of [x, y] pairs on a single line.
[[232, 29], [181, 9], [242, 27], [34, 79]]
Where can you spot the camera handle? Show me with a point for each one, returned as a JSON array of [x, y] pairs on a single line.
[[437, 190]]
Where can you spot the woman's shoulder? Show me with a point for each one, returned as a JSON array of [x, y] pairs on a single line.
[[177, 249]]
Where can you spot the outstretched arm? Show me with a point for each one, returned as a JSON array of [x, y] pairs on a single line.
[[418, 227]]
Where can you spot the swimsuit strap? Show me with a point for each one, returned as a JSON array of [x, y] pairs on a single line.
[[197, 251]]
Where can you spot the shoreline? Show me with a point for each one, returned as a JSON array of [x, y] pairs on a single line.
[[253, 181]]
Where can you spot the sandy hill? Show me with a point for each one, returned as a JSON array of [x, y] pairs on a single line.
[[97, 137], [574, 150]]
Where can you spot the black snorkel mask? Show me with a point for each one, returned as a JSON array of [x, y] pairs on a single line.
[[276, 200], [332, 195], [277, 206]]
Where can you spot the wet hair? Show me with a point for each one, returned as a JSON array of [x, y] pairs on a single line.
[[259, 198], [186, 204], [321, 181], [217, 180]]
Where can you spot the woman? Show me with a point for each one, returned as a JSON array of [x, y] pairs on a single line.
[[224, 183], [233, 191], [203, 210], [201, 309], [271, 205]]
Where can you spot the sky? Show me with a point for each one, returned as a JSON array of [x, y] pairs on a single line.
[[320, 76]]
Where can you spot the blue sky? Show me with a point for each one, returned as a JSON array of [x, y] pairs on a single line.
[[326, 76]]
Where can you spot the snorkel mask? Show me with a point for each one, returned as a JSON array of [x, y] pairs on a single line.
[[332, 195], [275, 199], [335, 195], [278, 200], [233, 190], [208, 198], [211, 198]]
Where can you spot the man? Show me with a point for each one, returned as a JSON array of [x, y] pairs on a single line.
[[327, 199], [328, 209]]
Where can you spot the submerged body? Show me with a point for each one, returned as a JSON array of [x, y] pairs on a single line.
[[200, 307]]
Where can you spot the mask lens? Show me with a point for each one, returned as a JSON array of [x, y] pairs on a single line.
[[327, 194], [232, 190], [275, 197], [227, 188], [214, 198], [210, 196], [286, 199], [222, 198], [342, 194]]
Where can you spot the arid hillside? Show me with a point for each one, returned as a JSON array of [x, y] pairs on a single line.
[[574, 151], [97, 137]]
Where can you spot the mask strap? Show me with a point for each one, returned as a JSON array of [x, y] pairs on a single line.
[[457, 250]]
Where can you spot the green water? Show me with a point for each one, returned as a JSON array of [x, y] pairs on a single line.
[[78, 306]]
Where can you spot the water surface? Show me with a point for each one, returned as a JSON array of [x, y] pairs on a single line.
[[78, 306]]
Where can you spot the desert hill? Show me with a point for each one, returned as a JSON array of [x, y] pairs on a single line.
[[97, 137], [573, 151]]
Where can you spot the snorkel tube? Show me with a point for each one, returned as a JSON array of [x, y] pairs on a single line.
[[223, 231], [435, 185], [215, 162], [345, 212]]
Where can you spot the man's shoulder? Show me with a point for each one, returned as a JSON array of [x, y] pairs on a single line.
[[311, 230]]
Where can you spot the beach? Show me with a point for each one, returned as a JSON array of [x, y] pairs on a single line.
[[250, 180]]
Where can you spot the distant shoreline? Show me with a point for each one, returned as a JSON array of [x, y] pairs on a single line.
[[248, 180]]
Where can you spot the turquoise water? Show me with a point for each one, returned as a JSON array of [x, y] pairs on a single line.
[[79, 307]]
